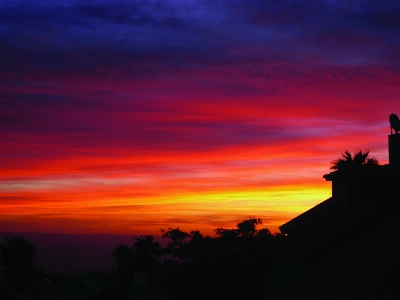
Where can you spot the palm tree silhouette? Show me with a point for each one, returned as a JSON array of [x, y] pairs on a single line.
[[17, 257], [348, 161], [146, 246], [123, 267], [146, 251]]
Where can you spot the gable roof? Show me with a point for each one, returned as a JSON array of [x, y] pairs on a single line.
[[319, 214], [373, 194]]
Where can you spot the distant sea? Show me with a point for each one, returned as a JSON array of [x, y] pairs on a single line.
[[75, 252]]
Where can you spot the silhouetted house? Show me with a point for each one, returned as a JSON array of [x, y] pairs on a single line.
[[348, 246]]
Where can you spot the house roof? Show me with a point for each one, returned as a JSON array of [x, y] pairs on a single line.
[[374, 193], [321, 213]]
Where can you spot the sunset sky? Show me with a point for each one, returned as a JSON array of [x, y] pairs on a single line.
[[127, 118]]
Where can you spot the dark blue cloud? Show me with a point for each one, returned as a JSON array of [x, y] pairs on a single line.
[[89, 37], [182, 39], [360, 32]]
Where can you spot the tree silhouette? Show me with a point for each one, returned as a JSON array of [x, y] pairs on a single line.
[[123, 257], [17, 257], [244, 229], [142, 256], [146, 253], [177, 238], [248, 227], [228, 266], [145, 246], [348, 161]]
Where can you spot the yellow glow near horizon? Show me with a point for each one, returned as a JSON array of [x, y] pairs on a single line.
[[191, 211]]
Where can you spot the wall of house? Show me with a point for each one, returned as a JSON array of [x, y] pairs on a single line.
[[364, 268], [394, 149], [362, 186]]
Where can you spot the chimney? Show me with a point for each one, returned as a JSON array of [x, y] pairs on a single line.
[[394, 149]]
